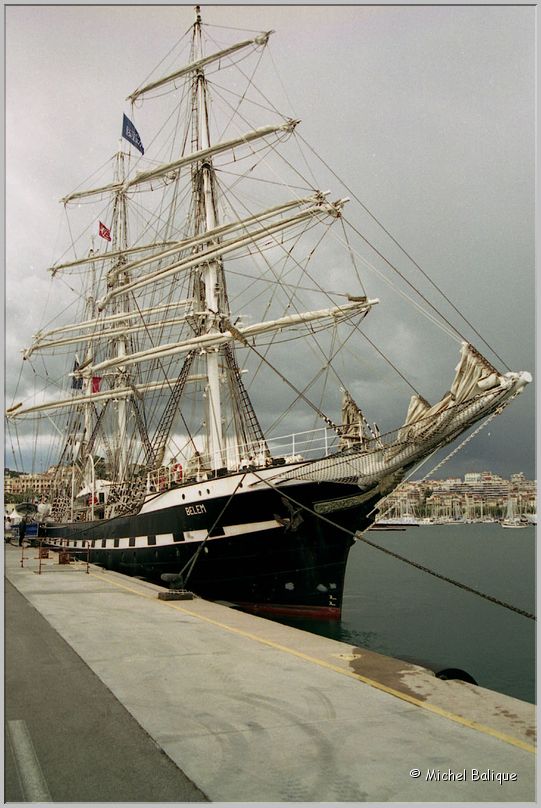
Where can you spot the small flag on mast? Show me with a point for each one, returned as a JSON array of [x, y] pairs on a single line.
[[104, 232], [131, 134]]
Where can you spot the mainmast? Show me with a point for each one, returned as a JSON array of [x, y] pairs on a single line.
[[120, 242], [204, 191]]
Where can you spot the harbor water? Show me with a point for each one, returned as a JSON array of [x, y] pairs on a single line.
[[398, 610]]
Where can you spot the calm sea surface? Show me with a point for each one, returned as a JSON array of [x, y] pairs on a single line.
[[402, 612]]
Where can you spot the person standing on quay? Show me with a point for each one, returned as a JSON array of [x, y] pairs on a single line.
[[22, 530]]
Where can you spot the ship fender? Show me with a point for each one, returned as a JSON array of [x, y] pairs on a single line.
[[455, 673]]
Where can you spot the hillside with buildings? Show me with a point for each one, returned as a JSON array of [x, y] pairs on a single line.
[[479, 496]]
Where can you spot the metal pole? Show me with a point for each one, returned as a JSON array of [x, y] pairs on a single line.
[[72, 489], [93, 486]]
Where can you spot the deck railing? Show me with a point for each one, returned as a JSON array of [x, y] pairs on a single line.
[[297, 446]]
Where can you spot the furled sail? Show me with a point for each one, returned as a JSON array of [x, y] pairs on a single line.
[[96, 256], [98, 335], [19, 411], [205, 154], [353, 427], [214, 340], [167, 169], [417, 410], [199, 64], [214, 252], [219, 232], [472, 369], [83, 330]]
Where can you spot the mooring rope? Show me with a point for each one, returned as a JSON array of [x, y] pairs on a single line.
[[361, 537]]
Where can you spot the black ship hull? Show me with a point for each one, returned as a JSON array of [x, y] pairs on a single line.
[[261, 548]]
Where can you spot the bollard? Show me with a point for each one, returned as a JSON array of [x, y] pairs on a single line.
[[87, 545], [176, 594]]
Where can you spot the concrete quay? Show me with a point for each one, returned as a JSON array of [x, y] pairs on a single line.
[[221, 706]]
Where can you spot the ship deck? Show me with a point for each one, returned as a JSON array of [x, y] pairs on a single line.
[[113, 694]]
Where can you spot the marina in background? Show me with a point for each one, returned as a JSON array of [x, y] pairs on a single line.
[[478, 497]]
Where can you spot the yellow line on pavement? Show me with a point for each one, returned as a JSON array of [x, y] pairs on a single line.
[[433, 708]]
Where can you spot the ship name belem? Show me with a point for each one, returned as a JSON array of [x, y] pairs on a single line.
[[193, 510]]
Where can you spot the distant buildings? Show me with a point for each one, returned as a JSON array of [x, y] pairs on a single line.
[[480, 495], [30, 486]]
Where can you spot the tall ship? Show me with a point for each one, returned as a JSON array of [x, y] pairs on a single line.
[[213, 271]]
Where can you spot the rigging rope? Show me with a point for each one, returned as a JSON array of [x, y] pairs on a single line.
[[423, 273], [361, 537]]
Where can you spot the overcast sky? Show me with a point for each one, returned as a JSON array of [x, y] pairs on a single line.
[[426, 112]]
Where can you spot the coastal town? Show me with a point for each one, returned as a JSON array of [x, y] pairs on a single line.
[[477, 497]]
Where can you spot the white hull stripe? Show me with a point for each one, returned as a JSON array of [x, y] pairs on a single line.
[[231, 530], [163, 539]]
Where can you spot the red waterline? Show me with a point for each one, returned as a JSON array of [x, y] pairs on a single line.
[[313, 612]]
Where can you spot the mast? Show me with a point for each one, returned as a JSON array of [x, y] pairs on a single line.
[[120, 242], [91, 312], [209, 276]]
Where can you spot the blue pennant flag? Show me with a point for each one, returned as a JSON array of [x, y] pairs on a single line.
[[131, 134]]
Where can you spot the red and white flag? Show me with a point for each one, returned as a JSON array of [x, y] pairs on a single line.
[[104, 232]]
